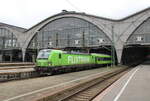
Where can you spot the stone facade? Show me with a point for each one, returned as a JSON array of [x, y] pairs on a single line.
[[123, 29]]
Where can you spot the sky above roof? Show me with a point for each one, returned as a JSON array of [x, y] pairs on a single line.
[[27, 13]]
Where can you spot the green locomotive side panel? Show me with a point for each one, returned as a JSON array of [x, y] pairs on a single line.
[[42, 63]]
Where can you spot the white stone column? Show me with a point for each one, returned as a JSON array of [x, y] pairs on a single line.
[[1, 57], [23, 54], [119, 50]]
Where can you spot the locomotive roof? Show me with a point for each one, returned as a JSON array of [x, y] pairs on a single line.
[[97, 54], [69, 52]]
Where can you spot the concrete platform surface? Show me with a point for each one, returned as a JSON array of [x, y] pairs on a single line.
[[134, 86], [25, 90]]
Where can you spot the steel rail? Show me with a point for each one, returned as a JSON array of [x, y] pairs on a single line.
[[70, 92]]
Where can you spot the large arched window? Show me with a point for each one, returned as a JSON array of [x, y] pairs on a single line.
[[7, 40], [141, 34], [68, 32]]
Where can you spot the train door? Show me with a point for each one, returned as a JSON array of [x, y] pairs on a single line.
[[95, 60], [59, 59]]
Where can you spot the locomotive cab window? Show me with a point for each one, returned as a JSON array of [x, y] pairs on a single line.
[[44, 54]]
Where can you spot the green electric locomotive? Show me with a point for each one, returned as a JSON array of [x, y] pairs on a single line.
[[49, 61]]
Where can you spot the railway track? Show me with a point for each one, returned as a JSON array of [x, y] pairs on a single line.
[[15, 71], [89, 93], [86, 90], [16, 64], [4, 77], [15, 67], [7, 66]]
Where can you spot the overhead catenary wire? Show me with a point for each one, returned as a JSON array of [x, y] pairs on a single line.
[[74, 6]]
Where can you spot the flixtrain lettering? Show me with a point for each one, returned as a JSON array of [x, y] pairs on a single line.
[[78, 59]]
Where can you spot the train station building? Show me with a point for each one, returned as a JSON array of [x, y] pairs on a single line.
[[128, 37]]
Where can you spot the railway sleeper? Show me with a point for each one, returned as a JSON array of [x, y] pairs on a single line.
[[65, 94]]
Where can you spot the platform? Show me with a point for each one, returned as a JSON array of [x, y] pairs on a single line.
[[134, 86], [29, 89], [16, 70]]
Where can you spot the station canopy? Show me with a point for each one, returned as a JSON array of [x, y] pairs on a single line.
[[68, 32]]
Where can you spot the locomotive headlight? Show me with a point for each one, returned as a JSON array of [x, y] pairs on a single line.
[[49, 63]]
